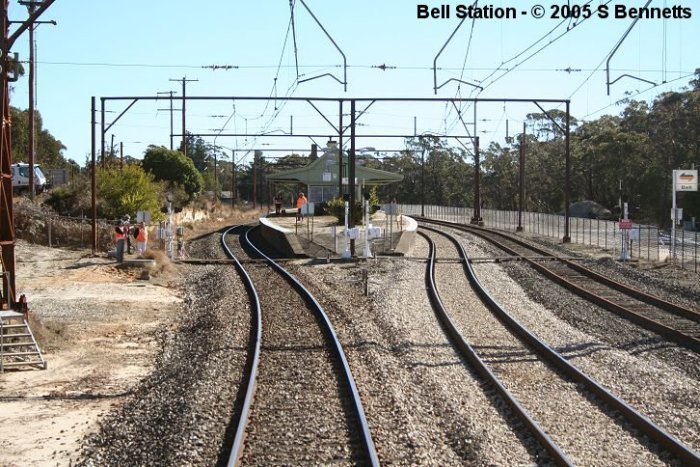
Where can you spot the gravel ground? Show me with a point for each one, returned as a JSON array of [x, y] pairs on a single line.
[[658, 378], [179, 415], [587, 434], [300, 413], [424, 405]]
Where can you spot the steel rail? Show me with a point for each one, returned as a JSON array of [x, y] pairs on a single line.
[[252, 364], [635, 293], [481, 368], [657, 434], [686, 340], [307, 296]]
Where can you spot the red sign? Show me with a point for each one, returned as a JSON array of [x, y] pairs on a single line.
[[625, 224]]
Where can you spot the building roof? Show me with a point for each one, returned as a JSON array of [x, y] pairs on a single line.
[[324, 172]]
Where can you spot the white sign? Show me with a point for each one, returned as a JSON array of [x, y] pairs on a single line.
[[307, 209], [143, 216], [374, 232], [390, 209], [686, 180], [678, 217], [327, 176]]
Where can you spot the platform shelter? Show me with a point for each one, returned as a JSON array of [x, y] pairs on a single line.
[[321, 176]]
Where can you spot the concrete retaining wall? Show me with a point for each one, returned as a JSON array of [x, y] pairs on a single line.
[[284, 239]]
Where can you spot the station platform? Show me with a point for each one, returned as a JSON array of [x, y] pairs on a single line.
[[322, 237]]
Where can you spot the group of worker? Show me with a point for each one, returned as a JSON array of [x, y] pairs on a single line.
[[301, 201], [123, 230], [122, 236]]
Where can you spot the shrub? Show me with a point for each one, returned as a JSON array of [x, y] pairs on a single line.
[[336, 207]]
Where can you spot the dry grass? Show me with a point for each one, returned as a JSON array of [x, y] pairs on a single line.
[[163, 267], [49, 335]]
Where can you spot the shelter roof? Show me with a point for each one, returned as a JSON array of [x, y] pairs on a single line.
[[324, 171]]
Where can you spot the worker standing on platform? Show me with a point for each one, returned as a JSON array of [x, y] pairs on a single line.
[[278, 203], [301, 200], [127, 232], [141, 235], [120, 239]]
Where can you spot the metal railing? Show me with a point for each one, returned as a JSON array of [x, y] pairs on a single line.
[[647, 242]]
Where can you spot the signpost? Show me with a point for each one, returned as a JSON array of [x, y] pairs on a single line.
[[625, 225], [683, 180]]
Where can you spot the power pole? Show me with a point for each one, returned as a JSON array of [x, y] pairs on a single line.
[[8, 73], [184, 82], [255, 186], [170, 93], [31, 6], [32, 143], [233, 178], [521, 204], [111, 150]]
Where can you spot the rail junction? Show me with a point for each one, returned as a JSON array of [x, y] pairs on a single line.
[[326, 373]]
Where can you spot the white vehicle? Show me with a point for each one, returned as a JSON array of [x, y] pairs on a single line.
[[20, 177]]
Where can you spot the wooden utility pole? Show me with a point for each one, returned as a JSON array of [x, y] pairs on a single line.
[[521, 204], [170, 94], [7, 74], [32, 142], [184, 82]]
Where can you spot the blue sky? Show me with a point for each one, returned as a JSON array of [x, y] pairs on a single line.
[[135, 47]]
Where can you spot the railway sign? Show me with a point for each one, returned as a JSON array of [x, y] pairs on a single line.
[[686, 180], [625, 224]]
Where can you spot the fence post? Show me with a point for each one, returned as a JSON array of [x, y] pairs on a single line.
[[49, 231], [606, 234], [558, 222], [649, 244], [682, 248], [639, 242]]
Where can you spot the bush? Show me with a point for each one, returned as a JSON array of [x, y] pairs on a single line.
[[336, 207], [71, 200], [374, 200]]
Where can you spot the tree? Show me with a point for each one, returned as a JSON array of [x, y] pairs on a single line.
[[48, 148], [127, 190], [199, 151], [173, 166]]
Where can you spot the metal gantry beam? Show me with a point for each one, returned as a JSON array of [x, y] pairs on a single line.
[[341, 129]]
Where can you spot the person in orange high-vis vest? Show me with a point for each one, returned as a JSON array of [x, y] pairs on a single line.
[[120, 238], [141, 238], [301, 200]]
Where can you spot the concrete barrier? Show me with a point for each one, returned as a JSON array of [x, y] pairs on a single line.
[[284, 239], [408, 236]]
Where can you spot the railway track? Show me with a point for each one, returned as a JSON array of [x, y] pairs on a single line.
[[674, 322], [301, 405], [540, 384]]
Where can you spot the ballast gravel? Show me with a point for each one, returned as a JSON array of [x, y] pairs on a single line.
[[423, 403]]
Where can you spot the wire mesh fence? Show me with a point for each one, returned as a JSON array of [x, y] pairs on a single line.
[[646, 242]]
